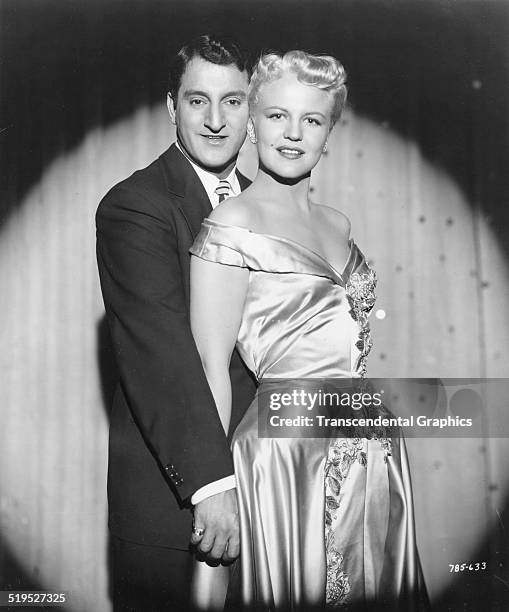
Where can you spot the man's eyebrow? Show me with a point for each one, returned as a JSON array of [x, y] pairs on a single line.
[[236, 94], [194, 92], [230, 94]]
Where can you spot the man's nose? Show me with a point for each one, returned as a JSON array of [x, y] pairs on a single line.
[[293, 130], [214, 120]]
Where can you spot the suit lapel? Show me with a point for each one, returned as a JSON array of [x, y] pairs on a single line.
[[185, 188], [244, 182]]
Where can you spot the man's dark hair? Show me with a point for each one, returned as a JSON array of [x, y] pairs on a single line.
[[223, 50]]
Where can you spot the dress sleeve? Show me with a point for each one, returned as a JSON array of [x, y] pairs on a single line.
[[220, 243]]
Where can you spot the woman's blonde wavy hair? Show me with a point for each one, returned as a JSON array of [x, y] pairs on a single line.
[[322, 71]]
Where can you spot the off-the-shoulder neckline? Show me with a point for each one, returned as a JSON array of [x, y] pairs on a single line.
[[351, 244]]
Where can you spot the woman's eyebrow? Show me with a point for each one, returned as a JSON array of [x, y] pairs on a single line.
[[281, 108]]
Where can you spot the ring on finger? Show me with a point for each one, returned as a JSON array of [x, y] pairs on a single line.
[[198, 531]]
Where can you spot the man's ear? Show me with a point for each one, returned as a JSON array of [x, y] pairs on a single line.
[[171, 108]]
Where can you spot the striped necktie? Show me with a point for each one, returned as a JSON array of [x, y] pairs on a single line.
[[223, 190]]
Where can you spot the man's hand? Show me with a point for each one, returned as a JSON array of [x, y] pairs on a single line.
[[218, 517]]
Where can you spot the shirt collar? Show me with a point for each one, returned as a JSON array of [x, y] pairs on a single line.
[[210, 181]]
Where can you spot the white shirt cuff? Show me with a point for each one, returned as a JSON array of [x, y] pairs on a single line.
[[218, 486]]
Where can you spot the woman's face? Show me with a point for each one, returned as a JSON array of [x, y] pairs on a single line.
[[291, 122]]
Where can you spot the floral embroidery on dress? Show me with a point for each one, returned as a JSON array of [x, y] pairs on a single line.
[[386, 444], [360, 291], [338, 586], [343, 452]]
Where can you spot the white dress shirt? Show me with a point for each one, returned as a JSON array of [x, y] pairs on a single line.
[[210, 182]]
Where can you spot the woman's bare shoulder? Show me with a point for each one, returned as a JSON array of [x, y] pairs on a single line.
[[338, 220], [238, 211]]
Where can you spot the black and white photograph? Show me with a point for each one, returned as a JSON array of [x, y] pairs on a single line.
[[254, 296]]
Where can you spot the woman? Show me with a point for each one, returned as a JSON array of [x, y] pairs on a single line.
[[323, 522]]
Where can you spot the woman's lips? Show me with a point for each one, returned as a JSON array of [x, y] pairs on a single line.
[[290, 152]]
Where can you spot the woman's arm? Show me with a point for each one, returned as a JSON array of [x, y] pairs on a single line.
[[218, 293]]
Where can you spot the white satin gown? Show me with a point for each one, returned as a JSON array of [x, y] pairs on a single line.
[[324, 523]]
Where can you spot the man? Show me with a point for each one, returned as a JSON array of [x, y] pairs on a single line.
[[168, 451]]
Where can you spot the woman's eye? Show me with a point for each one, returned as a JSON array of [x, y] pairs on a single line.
[[275, 116], [313, 121]]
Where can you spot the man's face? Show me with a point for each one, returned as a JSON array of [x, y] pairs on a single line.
[[211, 114]]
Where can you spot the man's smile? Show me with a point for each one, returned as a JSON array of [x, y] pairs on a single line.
[[213, 138]]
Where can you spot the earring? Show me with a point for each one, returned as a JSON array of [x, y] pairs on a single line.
[[251, 134], [324, 150]]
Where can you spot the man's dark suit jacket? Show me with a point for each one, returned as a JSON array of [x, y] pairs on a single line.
[[166, 439]]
